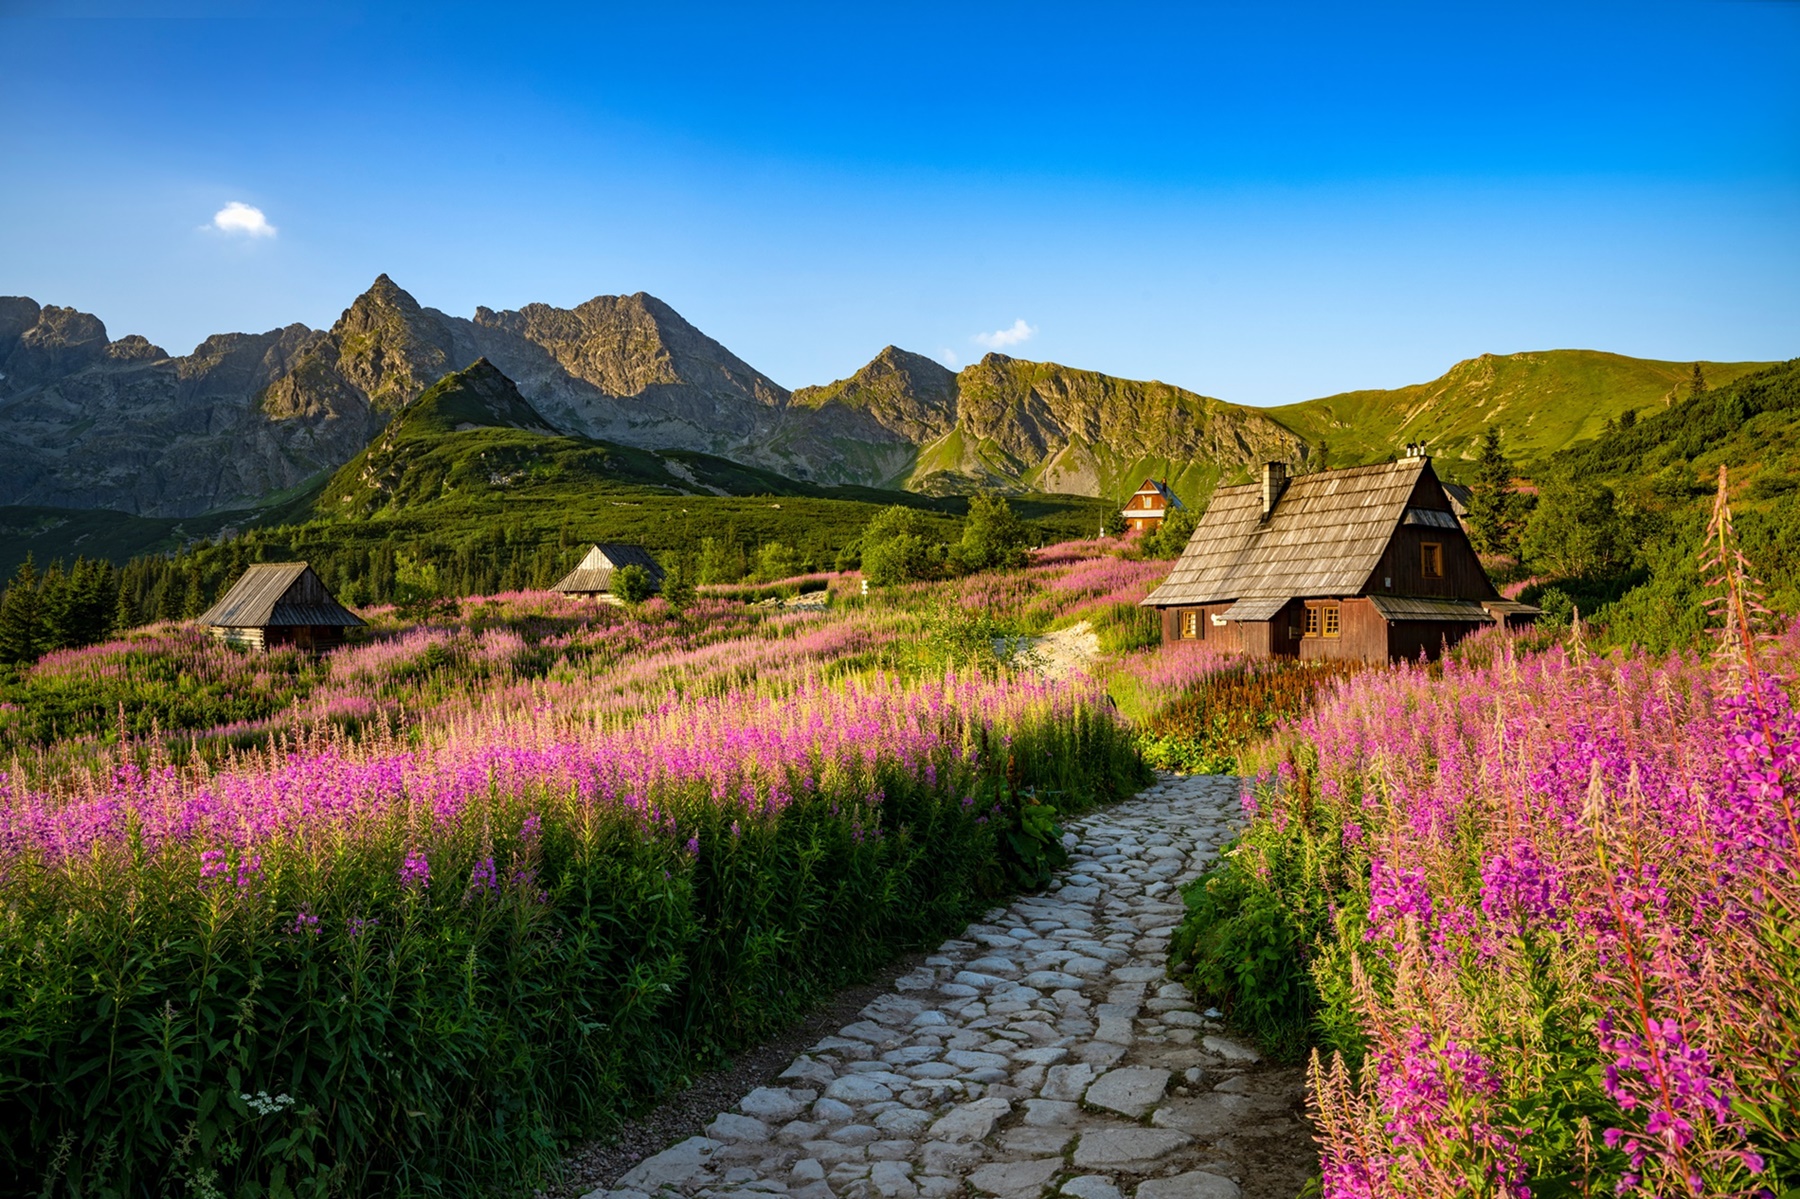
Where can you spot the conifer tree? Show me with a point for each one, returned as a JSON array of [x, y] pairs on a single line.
[[193, 601], [125, 613], [1493, 503], [1698, 385], [20, 631]]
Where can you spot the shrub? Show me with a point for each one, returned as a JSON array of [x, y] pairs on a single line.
[[992, 537], [898, 548], [1171, 536], [632, 584], [1252, 927], [1226, 711]]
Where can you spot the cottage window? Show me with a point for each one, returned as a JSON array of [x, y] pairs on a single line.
[[1312, 620], [1431, 560], [1190, 625], [1329, 620]]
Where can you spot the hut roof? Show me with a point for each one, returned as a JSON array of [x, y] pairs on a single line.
[[278, 593], [595, 573], [1401, 607], [1459, 499], [1325, 537], [1256, 609], [1158, 487]]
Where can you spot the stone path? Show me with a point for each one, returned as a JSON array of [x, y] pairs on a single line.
[[1044, 1052]]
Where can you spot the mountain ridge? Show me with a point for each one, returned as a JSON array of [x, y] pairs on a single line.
[[1543, 400], [90, 422]]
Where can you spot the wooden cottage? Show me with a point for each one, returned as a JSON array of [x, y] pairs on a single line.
[[594, 576], [1368, 563], [279, 604], [1148, 505]]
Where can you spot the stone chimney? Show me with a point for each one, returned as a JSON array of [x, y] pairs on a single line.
[[1274, 482]]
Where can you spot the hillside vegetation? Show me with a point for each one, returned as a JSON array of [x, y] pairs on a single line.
[[1628, 511], [1546, 401]]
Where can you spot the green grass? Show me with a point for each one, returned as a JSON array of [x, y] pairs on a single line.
[[1543, 402]]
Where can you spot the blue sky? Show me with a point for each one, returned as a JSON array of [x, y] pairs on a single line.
[[1260, 202]]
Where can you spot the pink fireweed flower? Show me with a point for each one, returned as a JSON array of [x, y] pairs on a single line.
[[1393, 896], [415, 872], [1673, 1081], [484, 877]]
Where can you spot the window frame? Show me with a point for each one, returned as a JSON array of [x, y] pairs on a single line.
[[1192, 626], [1431, 559], [1311, 626], [1331, 620]]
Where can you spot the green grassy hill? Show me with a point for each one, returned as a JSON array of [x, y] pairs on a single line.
[[1634, 503], [1543, 402]]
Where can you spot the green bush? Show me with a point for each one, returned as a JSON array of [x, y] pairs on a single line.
[[992, 537], [1029, 846], [632, 584], [1171, 536], [1259, 940], [897, 547]]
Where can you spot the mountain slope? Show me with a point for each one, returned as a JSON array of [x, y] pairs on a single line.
[[248, 420], [90, 423], [472, 442], [1017, 425], [86, 422], [1543, 402]]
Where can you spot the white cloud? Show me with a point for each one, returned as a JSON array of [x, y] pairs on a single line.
[[238, 217], [1001, 339], [947, 356]]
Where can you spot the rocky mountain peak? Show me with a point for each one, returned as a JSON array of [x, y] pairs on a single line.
[[60, 328], [388, 347], [135, 347], [17, 314], [39, 343]]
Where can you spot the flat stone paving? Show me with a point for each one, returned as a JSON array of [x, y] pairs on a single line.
[[1043, 1052]]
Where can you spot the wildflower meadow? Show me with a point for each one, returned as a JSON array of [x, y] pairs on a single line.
[[1531, 914], [414, 917], [409, 918]]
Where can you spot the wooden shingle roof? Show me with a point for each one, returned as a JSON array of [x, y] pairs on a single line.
[[594, 574], [1401, 607], [1325, 537], [275, 594]]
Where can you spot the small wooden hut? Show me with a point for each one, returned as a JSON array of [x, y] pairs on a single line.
[[1366, 563], [595, 574], [279, 604], [1148, 506]]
